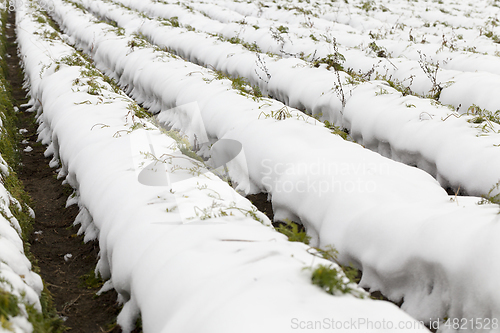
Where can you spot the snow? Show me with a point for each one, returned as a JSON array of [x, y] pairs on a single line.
[[284, 79], [413, 242], [191, 245]]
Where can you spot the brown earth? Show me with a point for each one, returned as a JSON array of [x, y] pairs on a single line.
[[71, 282]]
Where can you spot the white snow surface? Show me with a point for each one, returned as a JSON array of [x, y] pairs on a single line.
[[436, 253], [180, 246], [376, 115]]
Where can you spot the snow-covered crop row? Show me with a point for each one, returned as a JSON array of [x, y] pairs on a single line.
[[282, 32], [400, 28], [459, 150], [383, 55], [20, 287], [412, 241], [179, 245]]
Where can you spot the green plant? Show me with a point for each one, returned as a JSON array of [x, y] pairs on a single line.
[[404, 89], [334, 61], [136, 111], [8, 308], [138, 41], [381, 91], [334, 281], [378, 50], [367, 6], [280, 114], [174, 22], [94, 87], [431, 71], [293, 231], [182, 144], [482, 115], [493, 36], [342, 132], [91, 280], [491, 198], [282, 29]]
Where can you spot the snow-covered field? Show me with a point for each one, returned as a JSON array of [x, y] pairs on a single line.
[[354, 117]]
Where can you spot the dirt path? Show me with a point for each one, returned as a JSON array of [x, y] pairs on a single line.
[[54, 235]]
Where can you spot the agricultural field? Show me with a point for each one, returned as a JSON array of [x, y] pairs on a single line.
[[258, 166]]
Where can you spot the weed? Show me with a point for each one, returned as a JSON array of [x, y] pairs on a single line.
[[137, 41], [261, 64], [330, 279], [239, 83], [252, 47], [277, 34], [50, 35], [431, 71], [136, 111], [378, 50], [91, 280], [482, 115], [449, 43], [74, 59], [293, 231], [381, 91], [182, 143], [342, 132], [404, 89], [332, 61], [248, 212], [77, 5], [8, 308], [492, 198], [234, 40], [375, 35], [282, 29], [494, 37], [367, 6], [174, 22], [335, 281], [94, 87], [338, 86], [281, 114]]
